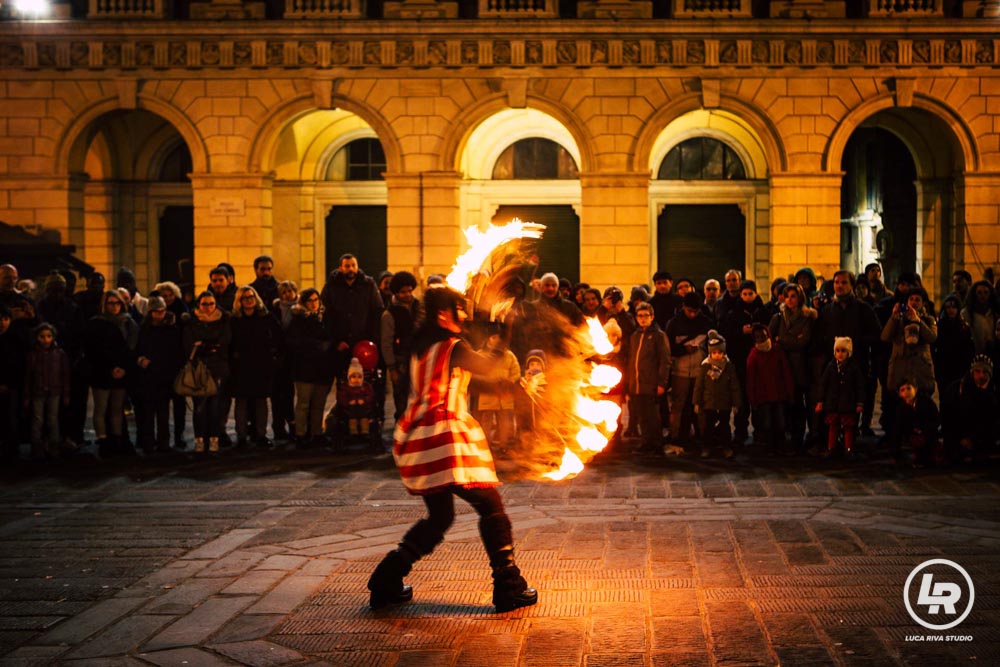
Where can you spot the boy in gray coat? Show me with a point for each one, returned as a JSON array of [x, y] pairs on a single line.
[[716, 395]]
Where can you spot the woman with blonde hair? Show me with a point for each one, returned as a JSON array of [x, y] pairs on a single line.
[[253, 354], [171, 294]]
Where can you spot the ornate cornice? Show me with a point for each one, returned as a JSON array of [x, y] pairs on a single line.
[[379, 45]]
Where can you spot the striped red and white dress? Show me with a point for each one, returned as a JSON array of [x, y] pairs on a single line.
[[437, 443]]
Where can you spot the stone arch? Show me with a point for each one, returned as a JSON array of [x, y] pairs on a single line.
[[154, 152], [263, 146], [963, 137], [75, 139], [463, 127], [755, 119]]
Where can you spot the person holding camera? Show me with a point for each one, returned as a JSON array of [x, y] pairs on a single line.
[[911, 331]]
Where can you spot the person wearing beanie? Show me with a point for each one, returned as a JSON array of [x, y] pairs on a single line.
[[687, 334], [716, 394], [737, 326], [769, 388], [970, 414], [159, 358], [355, 401], [841, 397], [399, 323]]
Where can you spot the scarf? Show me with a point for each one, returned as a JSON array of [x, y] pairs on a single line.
[[214, 317]]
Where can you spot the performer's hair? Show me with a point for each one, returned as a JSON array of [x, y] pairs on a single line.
[[437, 299]]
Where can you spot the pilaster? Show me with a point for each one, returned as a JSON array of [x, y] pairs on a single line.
[[232, 221], [977, 241], [805, 223], [424, 221], [614, 228]]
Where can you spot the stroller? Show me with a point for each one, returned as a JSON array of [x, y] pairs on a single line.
[[357, 416]]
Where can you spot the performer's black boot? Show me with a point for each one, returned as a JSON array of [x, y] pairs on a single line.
[[510, 590], [386, 583]]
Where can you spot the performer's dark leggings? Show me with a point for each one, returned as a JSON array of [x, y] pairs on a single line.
[[494, 525]]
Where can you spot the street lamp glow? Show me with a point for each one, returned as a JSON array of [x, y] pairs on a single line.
[[32, 7]]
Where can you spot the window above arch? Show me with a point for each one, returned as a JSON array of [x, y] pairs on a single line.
[[537, 159], [702, 159], [360, 160]]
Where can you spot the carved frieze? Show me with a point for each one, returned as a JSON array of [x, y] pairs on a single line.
[[148, 51]]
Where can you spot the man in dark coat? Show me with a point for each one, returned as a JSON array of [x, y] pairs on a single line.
[[665, 301], [353, 308], [399, 326], [223, 287], [265, 284]]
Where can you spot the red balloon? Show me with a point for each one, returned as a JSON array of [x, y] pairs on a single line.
[[367, 354]]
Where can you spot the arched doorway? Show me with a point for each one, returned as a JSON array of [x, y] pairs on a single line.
[[708, 198], [329, 195], [899, 204], [136, 195], [523, 163]]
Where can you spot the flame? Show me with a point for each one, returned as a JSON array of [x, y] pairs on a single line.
[[605, 377], [571, 467], [482, 244], [598, 336]]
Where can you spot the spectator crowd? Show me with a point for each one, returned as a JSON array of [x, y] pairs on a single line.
[[712, 370]]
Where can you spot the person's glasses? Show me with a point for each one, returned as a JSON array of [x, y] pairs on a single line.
[[207, 304], [248, 297], [117, 304], [642, 315]]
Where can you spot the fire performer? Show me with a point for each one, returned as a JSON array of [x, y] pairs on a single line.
[[442, 452]]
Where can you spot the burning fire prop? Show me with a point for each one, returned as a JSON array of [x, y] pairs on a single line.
[[579, 379]]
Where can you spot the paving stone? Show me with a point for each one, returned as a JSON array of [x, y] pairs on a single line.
[[256, 582], [233, 564], [683, 634], [258, 653], [223, 545], [98, 617], [615, 660], [196, 627], [187, 596], [181, 657], [279, 562], [555, 643], [123, 637], [617, 628], [288, 595], [736, 635], [804, 656]]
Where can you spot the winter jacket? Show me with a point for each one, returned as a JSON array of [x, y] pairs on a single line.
[[648, 361], [983, 325], [310, 348], [970, 412], [913, 361], [162, 345], [739, 344], [508, 371], [355, 402], [922, 418], [65, 316], [847, 316], [215, 337], [266, 288], [665, 307], [225, 300], [717, 390], [792, 332], [254, 354], [683, 332], [109, 343], [353, 311], [399, 324], [47, 373], [842, 387], [769, 377], [952, 351]]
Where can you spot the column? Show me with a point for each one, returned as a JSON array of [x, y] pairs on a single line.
[[232, 222], [615, 229], [805, 224]]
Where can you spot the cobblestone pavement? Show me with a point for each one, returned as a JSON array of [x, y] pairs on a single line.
[[262, 559]]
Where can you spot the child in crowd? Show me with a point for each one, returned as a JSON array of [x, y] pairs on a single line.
[[915, 430], [495, 409], [46, 388], [769, 388], [356, 400], [648, 377], [841, 396], [970, 413], [716, 395]]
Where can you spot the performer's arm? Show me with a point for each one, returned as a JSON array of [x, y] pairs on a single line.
[[463, 356]]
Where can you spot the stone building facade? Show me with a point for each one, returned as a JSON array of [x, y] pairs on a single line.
[[112, 131]]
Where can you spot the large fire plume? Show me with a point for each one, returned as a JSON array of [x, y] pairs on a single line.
[[574, 416]]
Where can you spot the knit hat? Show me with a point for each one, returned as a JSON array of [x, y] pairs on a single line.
[[402, 279], [638, 294], [983, 363], [536, 355], [691, 300], [615, 294], [844, 342], [716, 341], [748, 284], [355, 367], [155, 303]]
